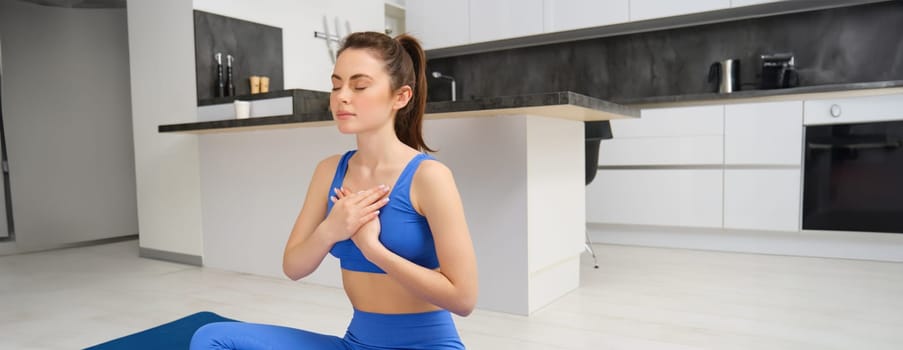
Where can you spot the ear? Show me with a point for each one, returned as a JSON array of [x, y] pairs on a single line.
[[403, 95]]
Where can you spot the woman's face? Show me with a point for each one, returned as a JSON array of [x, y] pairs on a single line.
[[362, 98]]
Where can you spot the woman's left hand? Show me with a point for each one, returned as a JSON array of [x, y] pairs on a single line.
[[367, 236]]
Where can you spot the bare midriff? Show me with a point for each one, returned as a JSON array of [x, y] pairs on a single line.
[[379, 293]]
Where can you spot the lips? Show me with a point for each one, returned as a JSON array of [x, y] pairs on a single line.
[[344, 115]]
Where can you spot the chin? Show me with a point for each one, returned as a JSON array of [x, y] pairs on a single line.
[[348, 126], [345, 129], [356, 126]]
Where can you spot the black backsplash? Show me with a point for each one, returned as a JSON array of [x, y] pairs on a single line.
[[257, 49], [842, 45]]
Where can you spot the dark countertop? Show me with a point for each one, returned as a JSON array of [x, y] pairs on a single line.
[[713, 98], [560, 104]]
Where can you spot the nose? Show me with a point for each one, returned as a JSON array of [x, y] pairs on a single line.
[[342, 94]]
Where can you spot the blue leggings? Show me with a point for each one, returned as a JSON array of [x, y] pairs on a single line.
[[367, 331]]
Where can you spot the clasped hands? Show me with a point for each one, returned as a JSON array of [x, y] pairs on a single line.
[[355, 216]]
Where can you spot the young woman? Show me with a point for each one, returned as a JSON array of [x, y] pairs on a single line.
[[391, 213]]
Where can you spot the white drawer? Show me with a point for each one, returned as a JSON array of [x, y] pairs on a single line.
[[672, 122], [687, 150], [668, 197], [648, 9], [853, 110], [763, 133], [762, 199]]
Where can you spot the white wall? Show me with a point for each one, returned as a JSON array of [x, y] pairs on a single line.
[[67, 123], [163, 92], [161, 54]]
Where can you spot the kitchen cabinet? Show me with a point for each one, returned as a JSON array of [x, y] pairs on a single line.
[[762, 199], [503, 19], [671, 122], [438, 23], [666, 197], [649, 9], [738, 3], [651, 194], [667, 136], [735, 166], [684, 150], [561, 15], [763, 133], [444, 24]]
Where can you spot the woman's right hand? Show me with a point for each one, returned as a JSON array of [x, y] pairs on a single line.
[[352, 210]]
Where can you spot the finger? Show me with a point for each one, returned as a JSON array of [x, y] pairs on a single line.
[[339, 194], [359, 196], [376, 205], [346, 192], [332, 198], [366, 218], [374, 194]]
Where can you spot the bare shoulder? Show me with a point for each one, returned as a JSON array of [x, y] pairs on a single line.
[[330, 162], [325, 171], [433, 173], [433, 181]]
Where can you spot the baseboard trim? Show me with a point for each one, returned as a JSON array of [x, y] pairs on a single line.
[[187, 259], [11, 247], [842, 245]]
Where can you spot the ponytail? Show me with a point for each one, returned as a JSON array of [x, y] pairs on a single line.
[[406, 65], [411, 116]]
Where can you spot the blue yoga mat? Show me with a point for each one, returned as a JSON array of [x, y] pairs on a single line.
[[173, 335]]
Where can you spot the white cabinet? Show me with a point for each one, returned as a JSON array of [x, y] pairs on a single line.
[[560, 15], [685, 150], [738, 3], [671, 122], [763, 133], [648, 9], [503, 19], [735, 166], [438, 23], [762, 199], [667, 136], [853, 110], [667, 197]]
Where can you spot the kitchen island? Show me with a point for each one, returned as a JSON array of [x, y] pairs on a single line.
[[518, 162]]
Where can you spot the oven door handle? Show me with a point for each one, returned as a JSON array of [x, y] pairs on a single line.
[[874, 145]]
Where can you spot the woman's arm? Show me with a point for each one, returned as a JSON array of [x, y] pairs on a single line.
[[455, 286], [308, 243]]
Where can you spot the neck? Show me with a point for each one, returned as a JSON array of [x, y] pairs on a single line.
[[380, 146]]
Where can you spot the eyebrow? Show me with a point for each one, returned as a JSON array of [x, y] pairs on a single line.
[[356, 76]]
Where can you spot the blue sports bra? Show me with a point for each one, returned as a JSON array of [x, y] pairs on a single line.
[[403, 230]]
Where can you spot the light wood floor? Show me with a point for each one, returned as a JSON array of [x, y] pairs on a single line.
[[640, 298]]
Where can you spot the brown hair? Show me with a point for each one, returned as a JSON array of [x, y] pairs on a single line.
[[406, 65]]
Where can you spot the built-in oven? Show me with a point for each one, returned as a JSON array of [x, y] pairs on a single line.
[[853, 167]]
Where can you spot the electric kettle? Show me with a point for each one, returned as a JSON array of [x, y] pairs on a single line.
[[725, 76]]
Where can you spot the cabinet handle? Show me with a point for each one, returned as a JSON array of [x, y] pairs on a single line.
[[835, 111]]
